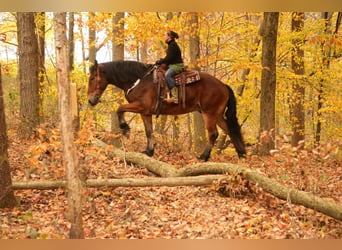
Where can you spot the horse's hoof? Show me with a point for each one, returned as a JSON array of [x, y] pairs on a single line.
[[148, 152], [203, 157], [126, 133], [242, 155], [125, 129]]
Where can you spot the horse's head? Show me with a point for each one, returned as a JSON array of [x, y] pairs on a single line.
[[97, 83]]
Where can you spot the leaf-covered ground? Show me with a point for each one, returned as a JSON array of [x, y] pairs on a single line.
[[219, 211]]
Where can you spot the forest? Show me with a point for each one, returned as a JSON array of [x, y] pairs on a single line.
[[66, 170]]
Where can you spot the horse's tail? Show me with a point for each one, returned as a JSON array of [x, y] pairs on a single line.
[[233, 124]]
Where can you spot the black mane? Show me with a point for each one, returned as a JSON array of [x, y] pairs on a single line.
[[125, 71]]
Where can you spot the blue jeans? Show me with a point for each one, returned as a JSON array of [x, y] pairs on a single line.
[[168, 77]]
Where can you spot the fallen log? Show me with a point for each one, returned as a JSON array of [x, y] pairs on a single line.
[[306, 199], [193, 175], [124, 182]]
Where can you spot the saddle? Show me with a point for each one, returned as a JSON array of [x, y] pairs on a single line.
[[187, 77], [181, 80]]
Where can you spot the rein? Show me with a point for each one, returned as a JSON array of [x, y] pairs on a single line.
[[155, 66], [98, 73]]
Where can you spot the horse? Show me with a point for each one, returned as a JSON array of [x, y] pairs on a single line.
[[211, 97]]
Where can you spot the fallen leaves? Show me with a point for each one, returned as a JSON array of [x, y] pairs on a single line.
[[231, 209]]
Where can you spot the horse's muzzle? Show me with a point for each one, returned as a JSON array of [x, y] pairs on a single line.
[[93, 100]]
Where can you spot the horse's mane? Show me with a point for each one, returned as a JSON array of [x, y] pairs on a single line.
[[125, 71]]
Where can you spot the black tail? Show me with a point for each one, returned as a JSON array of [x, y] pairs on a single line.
[[233, 125]]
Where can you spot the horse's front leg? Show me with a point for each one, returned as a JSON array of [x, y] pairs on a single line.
[[210, 123], [131, 107], [147, 119]]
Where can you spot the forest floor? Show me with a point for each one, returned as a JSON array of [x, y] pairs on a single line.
[[205, 212]]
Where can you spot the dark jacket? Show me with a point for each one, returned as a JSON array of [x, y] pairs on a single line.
[[173, 54]]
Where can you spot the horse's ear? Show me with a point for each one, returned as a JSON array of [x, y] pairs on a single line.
[[94, 66]]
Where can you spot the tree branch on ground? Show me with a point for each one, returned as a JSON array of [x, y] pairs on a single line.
[[195, 174]]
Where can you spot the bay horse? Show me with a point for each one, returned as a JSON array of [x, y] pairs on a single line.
[[211, 97]]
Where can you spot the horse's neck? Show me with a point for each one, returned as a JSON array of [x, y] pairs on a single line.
[[121, 83], [117, 77]]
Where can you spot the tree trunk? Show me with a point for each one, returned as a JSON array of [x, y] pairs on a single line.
[[160, 124], [326, 16], [70, 157], [92, 37], [28, 73], [124, 182], [252, 53], [298, 89], [143, 51], [40, 20], [7, 198], [268, 82], [73, 86], [71, 44], [83, 39], [118, 54], [194, 40]]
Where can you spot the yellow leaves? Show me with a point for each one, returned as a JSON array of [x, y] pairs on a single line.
[[106, 193]]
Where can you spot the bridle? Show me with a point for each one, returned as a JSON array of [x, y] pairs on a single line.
[[98, 73]]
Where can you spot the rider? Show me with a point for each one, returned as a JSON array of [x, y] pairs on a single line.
[[173, 60]]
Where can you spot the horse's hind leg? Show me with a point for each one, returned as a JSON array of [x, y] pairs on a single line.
[[147, 119], [234, 134]]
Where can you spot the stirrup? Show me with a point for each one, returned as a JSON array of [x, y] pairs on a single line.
[[168, 98], [172, 96]]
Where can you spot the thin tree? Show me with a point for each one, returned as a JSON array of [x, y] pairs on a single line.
[[118, 54], [298, 88], [70, 157], [194, 44], [40, 23], [325, 65], [92, 37], [71, 43], [7, 198], [28, 72], [268, 32]]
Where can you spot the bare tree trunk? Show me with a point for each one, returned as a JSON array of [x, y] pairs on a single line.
[[268, 82], [124, 182], [71, 44], [252, 52], [7, 198], [326, 16], [70, 157], [143, 51], [73, 89], [40, 20], [92, 38], [118, 54], [83, 38], [298, 89], [194, 40], [28, 73]]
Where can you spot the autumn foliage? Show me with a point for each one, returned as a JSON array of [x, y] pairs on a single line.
[[235, 208]]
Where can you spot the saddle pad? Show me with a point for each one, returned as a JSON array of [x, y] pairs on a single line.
[[187, 77]]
